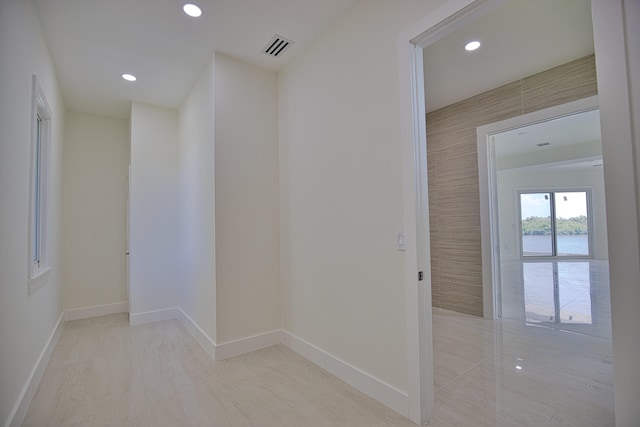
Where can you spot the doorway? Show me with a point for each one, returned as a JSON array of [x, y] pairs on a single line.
[[613, 76], [547, 199], [556, 149]]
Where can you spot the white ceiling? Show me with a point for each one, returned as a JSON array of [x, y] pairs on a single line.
[[520, 38], [563, 132], [93, 42]]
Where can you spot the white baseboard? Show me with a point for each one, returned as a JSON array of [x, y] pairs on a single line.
[[201, 336], [228, 349], [95, 311], [22, 405], [245, 345], [377, 389], [153, 316], [366, 383]]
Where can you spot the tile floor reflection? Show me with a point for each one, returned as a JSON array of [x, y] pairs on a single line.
[[546, 362], [567, 295]]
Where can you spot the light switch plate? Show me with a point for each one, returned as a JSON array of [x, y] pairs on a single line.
[[400, 241]]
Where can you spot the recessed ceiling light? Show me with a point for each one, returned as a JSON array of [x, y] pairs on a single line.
[[472, 45], [129, 77], [192, 10]]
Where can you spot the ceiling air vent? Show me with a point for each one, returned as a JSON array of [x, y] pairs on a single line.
[[277, 46], [543, 144]]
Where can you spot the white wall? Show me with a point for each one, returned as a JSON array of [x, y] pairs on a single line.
[[341, 190], [153, 238], [617, 46], [247, 202], [197, 289], [511, 180], [96, 161], [26, 321]]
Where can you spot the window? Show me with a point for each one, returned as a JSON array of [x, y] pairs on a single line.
[[39, 193], [555, 223]]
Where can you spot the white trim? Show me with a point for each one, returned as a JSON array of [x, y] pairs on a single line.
[[447, 18], [568, 109], [489, 226], [95, 311], [366, 383], [22, 405], [615, 29], [196, 331], [154, 316], [246, 345], [373, 387], [488, 191], [420, 343]]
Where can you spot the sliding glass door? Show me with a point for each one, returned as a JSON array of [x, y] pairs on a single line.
[[555, 223]]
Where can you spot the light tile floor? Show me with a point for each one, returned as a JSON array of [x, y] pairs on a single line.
[[506, 373], [104, 372], [510, 372]]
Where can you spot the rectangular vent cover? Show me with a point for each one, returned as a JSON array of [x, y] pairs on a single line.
[[277, 46]]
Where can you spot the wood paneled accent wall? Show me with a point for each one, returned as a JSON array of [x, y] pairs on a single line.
[[452, 162]]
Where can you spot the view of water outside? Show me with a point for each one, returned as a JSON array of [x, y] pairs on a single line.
[[577, 244]]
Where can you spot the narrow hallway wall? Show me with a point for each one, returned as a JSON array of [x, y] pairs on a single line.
[[154, 199], [27, 320], [196, 204], [96, 163], [247, 200]]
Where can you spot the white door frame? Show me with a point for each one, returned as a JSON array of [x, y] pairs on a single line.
[[489, 221], [616, 37], [448, 18]]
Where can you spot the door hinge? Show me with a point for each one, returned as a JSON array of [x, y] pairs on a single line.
[[420, 276]]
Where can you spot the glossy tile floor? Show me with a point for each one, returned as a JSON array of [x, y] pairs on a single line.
[[547, 362], [534, 367]]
